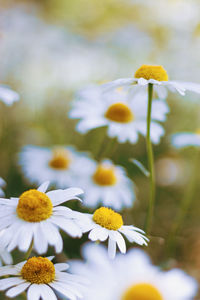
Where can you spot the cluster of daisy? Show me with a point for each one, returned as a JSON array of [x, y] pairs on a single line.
[[33, 221]]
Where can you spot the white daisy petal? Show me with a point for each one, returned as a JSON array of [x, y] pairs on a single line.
[[47, 293], [61, 266], [52, 235], [43, 187], [111, 248], [40, 241], [9, 282], [34, 292], [13, 292], [118, 238], [6, 257], [25, 238], [61, 289], [59, 196], [67, 225]]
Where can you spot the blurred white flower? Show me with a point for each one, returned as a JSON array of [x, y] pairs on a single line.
[[124, 113], [7, 95], [2, 185], [105, 224], [40, 278], [107, 184], [171, 170], [60, 164], [37, 216], [186, 139], [157, 76], [130, 276]]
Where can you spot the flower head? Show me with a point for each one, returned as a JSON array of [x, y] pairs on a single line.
[[152, 72], [107, 184], [105, 224], [37, 215], [130, 277], [186, 139], [157, 76], [40, 278], [123, 112], [60, 164], [7, 95]]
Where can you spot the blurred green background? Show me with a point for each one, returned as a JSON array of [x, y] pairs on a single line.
[[51, 48]]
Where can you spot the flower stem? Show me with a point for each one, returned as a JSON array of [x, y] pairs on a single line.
[[150, 211], [28, 253]]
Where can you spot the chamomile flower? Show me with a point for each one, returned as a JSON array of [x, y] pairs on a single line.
[[107, 184], [186, 139], [123, 112], [2, 184], [60, 165], [40, 278], [130, 276], [105, 224], [157, 76], [36, 216], [7, 95]]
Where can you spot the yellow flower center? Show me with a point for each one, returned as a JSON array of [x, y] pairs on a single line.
[[39, 270], [60, 159], [108, 218], [34, 206], [198, 131], [152, 72], [105, 175], [119, 112], [142, 291]]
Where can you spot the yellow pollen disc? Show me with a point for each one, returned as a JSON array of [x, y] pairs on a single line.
[[119, 112], [34, 206], [198, 131], [105, 175], [108, 218], [142, 291], [60, 159], [39, 270], [152, 72]]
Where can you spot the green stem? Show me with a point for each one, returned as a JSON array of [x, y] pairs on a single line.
[[28, 253], [150, 211], [184, 207]]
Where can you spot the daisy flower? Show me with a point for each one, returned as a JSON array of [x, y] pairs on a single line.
[[157, 76], [2, 184], [40, 278], [123, 112], [130, 276], [186, 139], [107, 184], [59, 165], [7, 95], [36, 216], [105, 224]]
